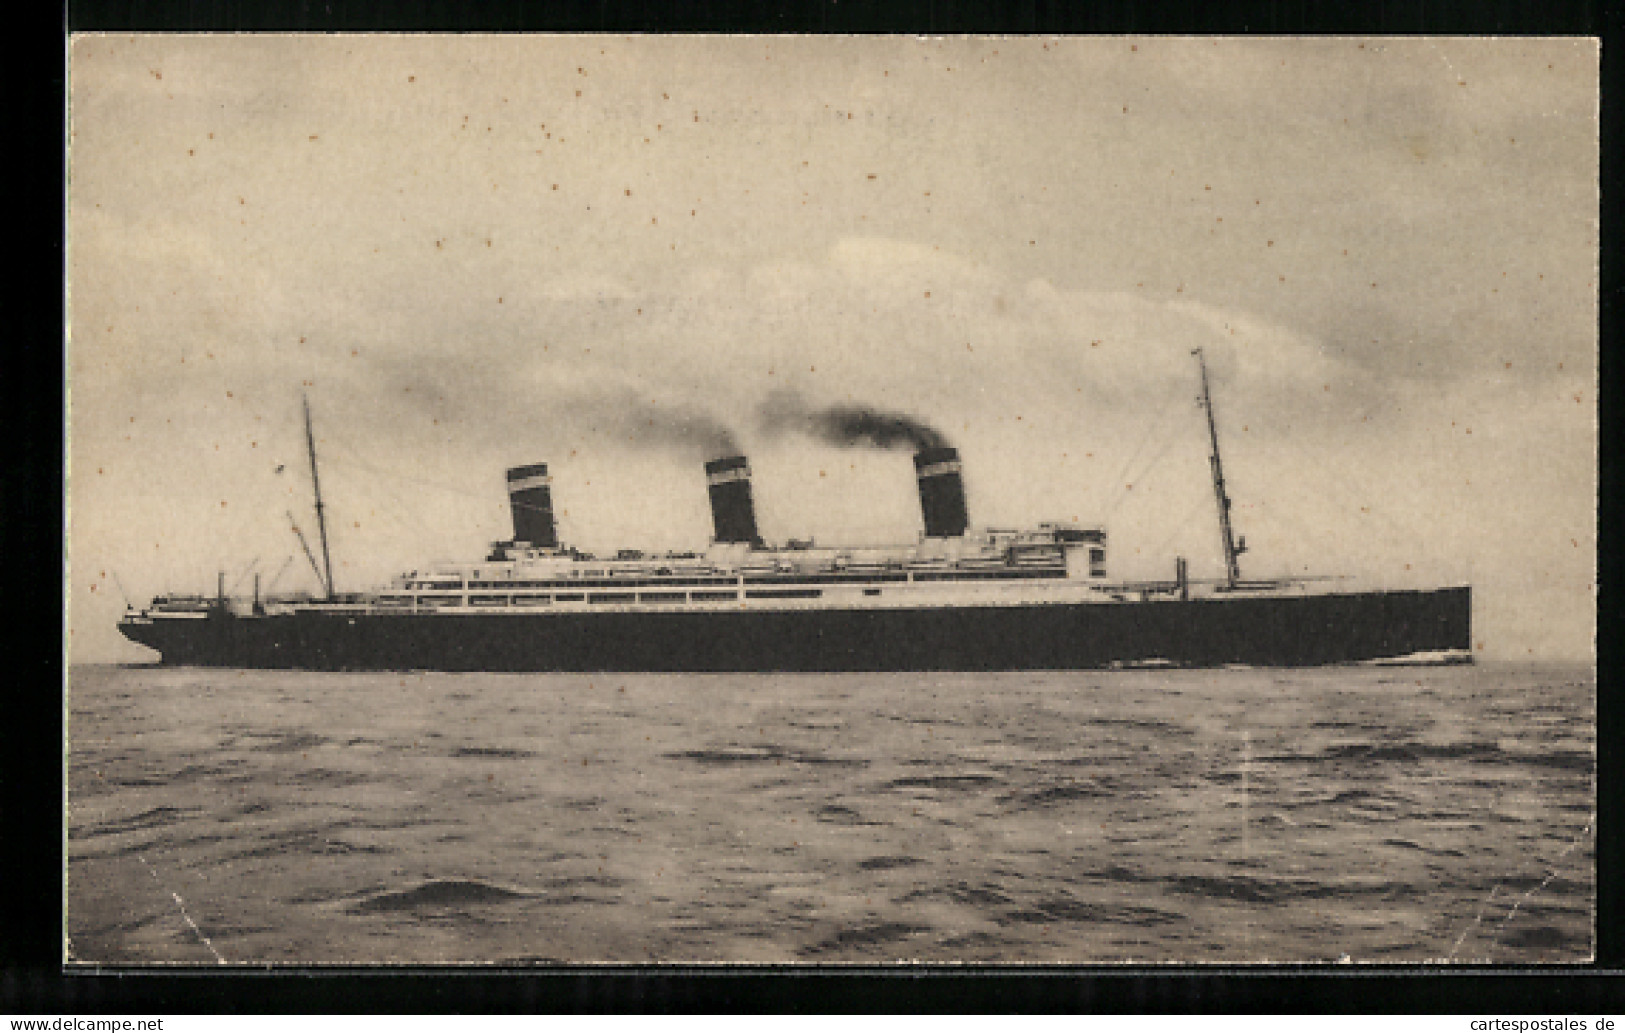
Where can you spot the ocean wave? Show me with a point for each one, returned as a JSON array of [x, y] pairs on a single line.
[[727, 755], [1406, 844], [290, 741], [1416, 752], [959, 782], [1260, 889], [306, 844], [492, 752], [871, 934], [440, 893], [156, 817], [983, 819], [884, 862], [1056, 794], [837, 814], [1067, 909]]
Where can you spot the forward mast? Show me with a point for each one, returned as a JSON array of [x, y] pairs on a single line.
[[1232, 549], [321, 519]]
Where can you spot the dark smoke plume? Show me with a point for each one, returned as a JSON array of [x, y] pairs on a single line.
[[847, 426], [629, 419], [481, 395], [669, 426]]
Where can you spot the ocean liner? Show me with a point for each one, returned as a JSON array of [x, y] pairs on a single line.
[[956, 600]]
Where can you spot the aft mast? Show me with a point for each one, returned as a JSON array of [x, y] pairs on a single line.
[[316, 484], [1232, 569]]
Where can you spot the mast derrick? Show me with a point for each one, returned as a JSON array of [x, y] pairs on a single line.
[[321, 519], [1232, 570]]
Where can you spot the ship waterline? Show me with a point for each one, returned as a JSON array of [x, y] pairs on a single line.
[[1308, 629]]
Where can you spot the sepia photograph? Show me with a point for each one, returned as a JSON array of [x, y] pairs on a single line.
[[580, 500]]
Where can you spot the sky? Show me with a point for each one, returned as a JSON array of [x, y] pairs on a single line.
[[472, 252]]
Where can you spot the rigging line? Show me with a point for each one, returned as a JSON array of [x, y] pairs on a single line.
[[121, 590], [1152, 465], [382, 478], [402, 514], [356, 458], [279, 573], [308, 554], [463, 493], [1126, 483], [401, 508], [246, 571], [1145, 439]]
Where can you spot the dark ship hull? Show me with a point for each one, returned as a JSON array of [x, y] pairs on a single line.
[[1280, 631]]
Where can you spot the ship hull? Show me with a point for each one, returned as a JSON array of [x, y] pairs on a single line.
[[1293, 631]]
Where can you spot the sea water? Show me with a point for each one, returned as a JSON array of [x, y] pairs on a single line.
[[1358, 814]]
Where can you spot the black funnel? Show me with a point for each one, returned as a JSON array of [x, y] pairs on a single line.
[[531, 500], [733, 514], [942, 492]]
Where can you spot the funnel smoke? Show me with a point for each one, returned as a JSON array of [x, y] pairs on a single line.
[[480, 399], [674, 427], [847, 426], [633, 421]]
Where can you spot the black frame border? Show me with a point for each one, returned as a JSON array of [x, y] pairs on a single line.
[[32, 979]]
